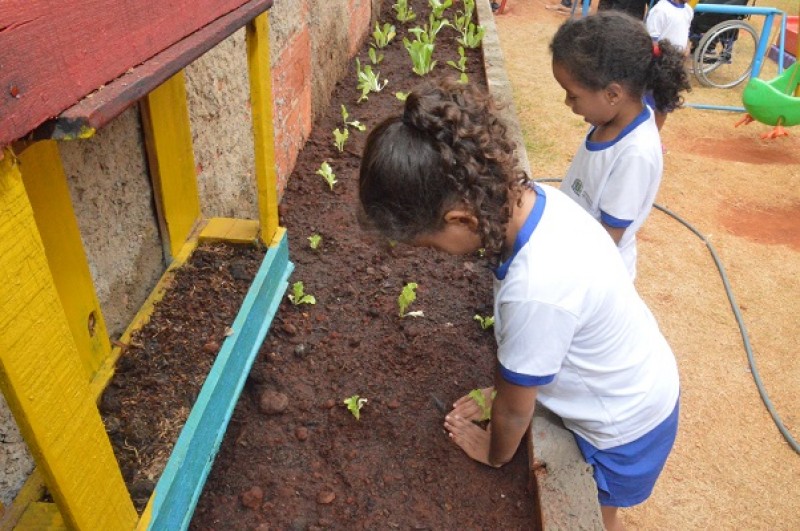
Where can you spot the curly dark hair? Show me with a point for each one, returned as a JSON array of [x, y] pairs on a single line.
[[612, 47], [449, 148]]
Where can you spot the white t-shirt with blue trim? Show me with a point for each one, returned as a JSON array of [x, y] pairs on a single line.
[[617, 181], [670, 21], [568, 320]]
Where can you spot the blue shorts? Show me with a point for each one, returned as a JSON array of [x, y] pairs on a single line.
[[625, 475]]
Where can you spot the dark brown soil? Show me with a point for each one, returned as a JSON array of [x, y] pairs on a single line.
[[312, 465], [163, 367]]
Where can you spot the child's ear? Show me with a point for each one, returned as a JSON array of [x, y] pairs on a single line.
[[462, 217], [614, 93]]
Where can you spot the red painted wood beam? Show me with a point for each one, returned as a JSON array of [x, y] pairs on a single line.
[[102, 106], [53, 54]]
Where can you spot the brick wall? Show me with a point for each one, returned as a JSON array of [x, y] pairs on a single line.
[[312, 44]]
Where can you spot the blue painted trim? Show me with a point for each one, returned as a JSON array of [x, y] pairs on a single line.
[[179, 487], [709, 107]]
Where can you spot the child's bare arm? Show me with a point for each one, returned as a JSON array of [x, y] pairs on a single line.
[[512, 410], [615, 232]]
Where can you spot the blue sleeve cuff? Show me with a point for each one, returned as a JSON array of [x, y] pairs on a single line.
[[525, 380], [611, 221]]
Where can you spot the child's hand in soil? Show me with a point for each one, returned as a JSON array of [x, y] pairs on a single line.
[[470, 437], [466, 407]]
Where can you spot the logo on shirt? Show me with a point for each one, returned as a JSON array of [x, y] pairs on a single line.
[[577, 187]]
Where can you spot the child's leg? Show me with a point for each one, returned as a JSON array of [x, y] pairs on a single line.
[[610, 520]]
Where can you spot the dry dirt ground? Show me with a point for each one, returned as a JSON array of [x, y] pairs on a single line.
[[731, 467]]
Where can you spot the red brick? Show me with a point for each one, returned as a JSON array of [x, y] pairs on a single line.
[[360, 13], [291, 90]]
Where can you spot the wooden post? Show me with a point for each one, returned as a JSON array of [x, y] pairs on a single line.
[[263, 134], [46, 186], [42, 378], [168, 138]]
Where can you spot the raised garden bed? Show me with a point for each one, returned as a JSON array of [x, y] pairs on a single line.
[[293, 456]]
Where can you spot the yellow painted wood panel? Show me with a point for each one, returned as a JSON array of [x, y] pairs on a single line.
[[41, 516], [46, 186], [263, 133], [43, 380], [230, 230], [168, 139]]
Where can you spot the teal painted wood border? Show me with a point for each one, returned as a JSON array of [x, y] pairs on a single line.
[[179, 487]]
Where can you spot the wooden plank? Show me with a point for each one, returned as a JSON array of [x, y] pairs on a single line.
[[258, 64], [82, 119], [168, 140], [41, 516], [42, 378], [46, 186], [55, 53], [177, 491], [230, 230], [31, 491]]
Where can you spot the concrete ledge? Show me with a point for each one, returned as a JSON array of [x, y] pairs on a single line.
[[562, 481]]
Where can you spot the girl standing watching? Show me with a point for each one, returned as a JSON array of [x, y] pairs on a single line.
[[605, 63], [571, 330]]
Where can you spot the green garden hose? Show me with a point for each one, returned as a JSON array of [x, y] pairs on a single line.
[[739, 320]]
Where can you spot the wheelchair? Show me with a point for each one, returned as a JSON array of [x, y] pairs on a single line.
[[723, 47]]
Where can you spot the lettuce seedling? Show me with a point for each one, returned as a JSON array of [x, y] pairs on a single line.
[[375, 57], [438, 8], [471, 35], [354, 405], [402, 96], [368, 81], [485, 322], [340, 138], [480, 399], [383, 36], [461, 65], [421, 55], [327, 174], [354, 123], [463, 18], [407, 296], [403, 11], [298, 296], [314, 241]]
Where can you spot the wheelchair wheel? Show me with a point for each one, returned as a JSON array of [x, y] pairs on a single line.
[[725, 55]]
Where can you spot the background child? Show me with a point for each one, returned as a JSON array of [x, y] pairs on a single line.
[[669, 20], [571, 330], [605, 63]]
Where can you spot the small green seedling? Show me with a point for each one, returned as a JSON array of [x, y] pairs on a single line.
[[327, 174], [403, 11], [461, 65], [375, 57], [407, 296], [421, 55], [471, 35], [298, 296], [354, 405], [402, 96], [479, 398], [340, 138], [368, 81], [438, 8], [314, 241], [485, 322], [429, 31], [463, 18], [383, 35], [354, 123]]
